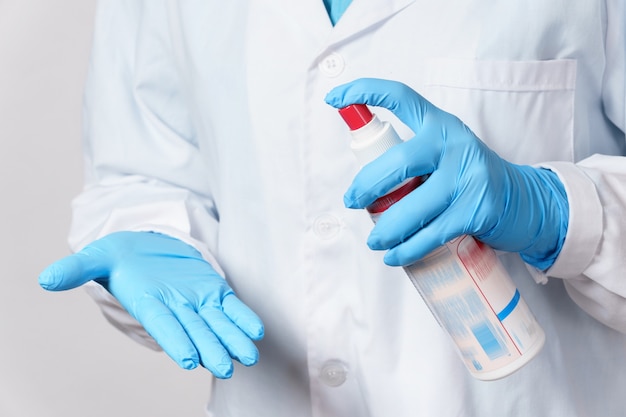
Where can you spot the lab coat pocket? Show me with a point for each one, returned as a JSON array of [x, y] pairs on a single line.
[[523, 110]]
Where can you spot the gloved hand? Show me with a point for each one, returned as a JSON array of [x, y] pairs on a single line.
[[471, 190], [172, 291]]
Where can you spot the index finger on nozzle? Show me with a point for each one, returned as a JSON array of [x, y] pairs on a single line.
[[372, 91], [408, 105]]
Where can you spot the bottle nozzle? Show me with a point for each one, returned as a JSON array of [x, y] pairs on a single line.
[[356, 115]]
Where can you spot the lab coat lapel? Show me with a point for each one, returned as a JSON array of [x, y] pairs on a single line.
[[363, 14], [311, 17]]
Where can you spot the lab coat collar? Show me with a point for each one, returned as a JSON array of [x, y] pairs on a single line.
[[363, 14], [311, 16]]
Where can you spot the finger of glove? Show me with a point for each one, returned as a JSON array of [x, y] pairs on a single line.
[[409, 106], [167, 331], [213, 355], [440, 230], [243, 317], [406, 217], [416, 157], [75, 270], [234, 340]]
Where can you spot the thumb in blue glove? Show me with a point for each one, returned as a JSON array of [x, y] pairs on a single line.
[[470, 190], [166, 285]]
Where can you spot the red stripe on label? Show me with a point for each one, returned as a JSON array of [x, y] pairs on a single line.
[[386, 201]]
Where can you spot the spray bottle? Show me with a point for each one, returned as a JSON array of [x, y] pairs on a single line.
[[463, 282]]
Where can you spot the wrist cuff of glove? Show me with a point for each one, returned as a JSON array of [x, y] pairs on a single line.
[[558, 212], [584, 229]]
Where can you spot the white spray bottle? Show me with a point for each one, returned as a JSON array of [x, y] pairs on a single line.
[[463, 282]]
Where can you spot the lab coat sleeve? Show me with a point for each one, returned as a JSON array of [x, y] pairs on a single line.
[[593, 258], [143, 169]]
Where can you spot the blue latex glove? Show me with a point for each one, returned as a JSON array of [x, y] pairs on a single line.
[[471, 190], [172, 291]]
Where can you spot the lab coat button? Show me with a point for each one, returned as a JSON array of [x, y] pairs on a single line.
[[326, 226], [332, 65], [333, 373]]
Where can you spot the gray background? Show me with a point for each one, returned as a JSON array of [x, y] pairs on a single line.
[[58, 355]]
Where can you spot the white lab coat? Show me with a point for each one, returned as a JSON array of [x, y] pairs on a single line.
[[206, 120]]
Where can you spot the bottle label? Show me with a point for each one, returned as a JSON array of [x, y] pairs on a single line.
[[470, 293]]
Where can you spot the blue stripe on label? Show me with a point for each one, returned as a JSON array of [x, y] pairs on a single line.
[[510, 307], [493, 346]]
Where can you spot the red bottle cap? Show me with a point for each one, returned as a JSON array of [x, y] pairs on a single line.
[[356, 115]]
